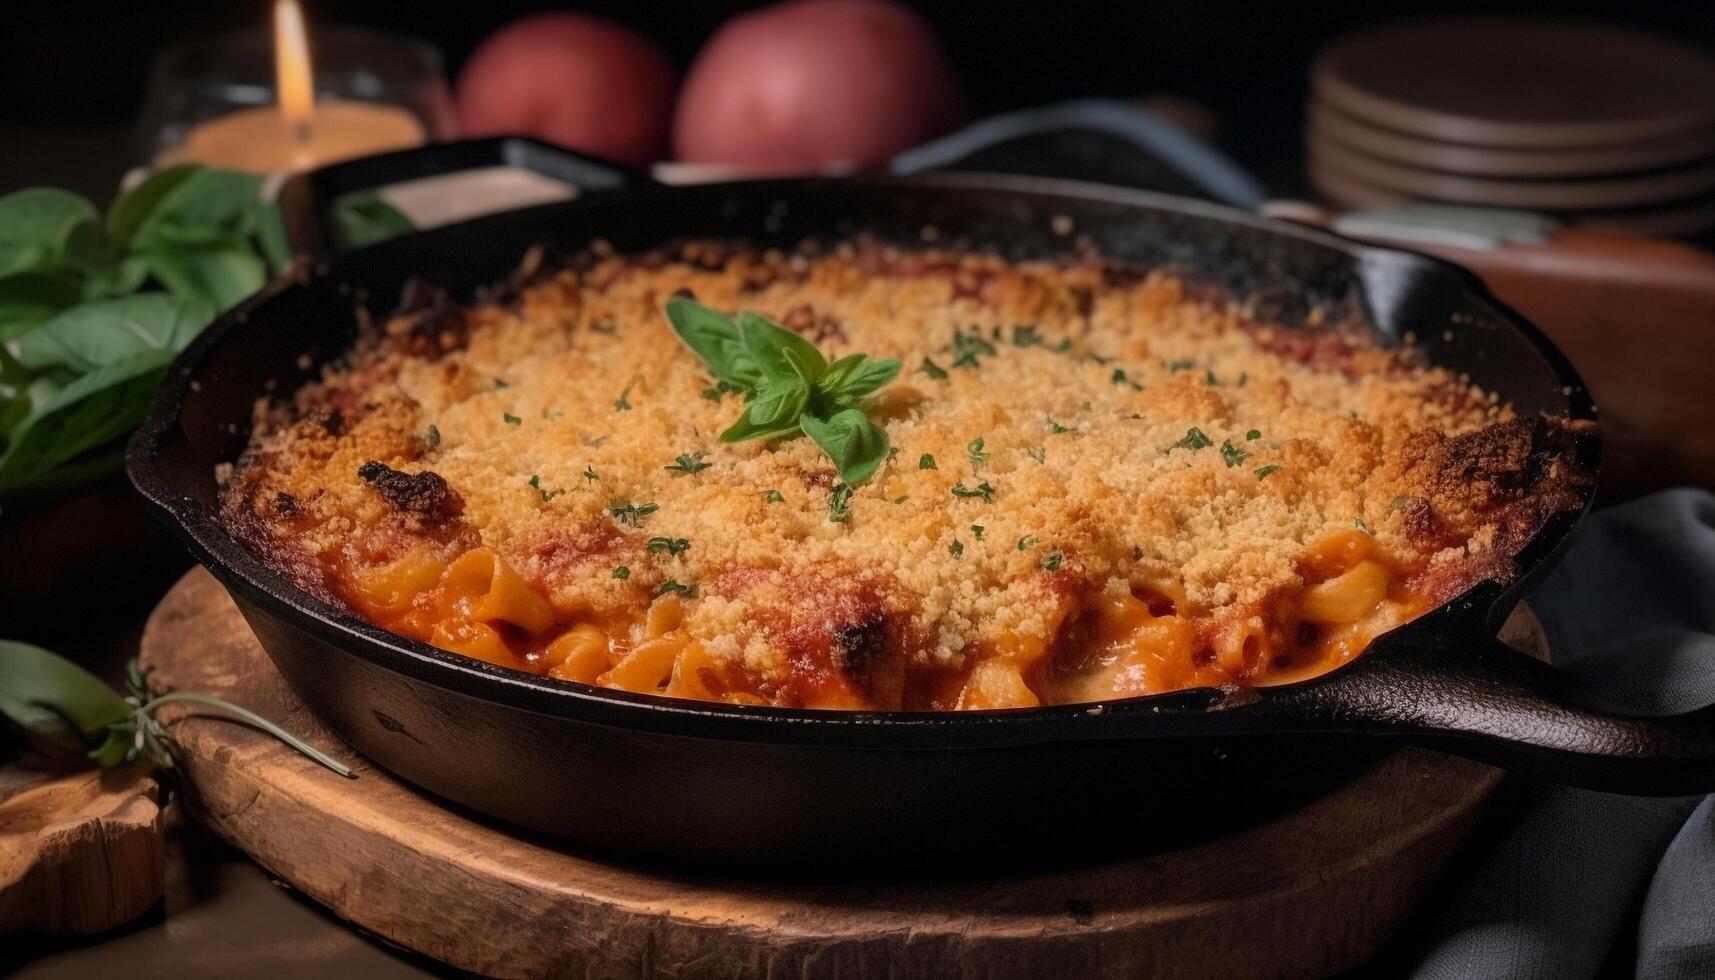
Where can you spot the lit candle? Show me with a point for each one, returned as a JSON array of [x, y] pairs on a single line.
[[297, 133]]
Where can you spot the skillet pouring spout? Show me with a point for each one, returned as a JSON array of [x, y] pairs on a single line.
[[1490, 703]]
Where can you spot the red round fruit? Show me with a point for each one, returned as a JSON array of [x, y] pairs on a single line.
[[579, 81], [811, 83]]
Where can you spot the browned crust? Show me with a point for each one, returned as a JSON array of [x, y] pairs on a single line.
[[1470, 498]]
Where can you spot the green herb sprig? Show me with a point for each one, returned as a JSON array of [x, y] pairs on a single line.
[[789, 385], [64, 712]]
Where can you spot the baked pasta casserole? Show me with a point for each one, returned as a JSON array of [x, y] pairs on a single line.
[[1085, 481]]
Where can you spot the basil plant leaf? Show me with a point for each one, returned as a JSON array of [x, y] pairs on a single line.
[[96, 335], [207, 207], [29, 300], [37, 226], [59, 707], [854, 376], [136, 205], [714, 338], [66, 421], [120, 277], [218, 273], [773, 413], [781, 354], [855, 444], [271, 237]]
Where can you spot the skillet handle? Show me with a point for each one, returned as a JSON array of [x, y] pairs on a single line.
[[307, 199], [1493, 704]]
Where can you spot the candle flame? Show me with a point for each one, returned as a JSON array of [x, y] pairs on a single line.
[[294, 85]]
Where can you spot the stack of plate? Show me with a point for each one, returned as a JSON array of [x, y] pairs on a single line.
[[1582, 121]]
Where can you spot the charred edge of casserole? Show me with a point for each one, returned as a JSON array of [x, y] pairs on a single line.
[[1504, 482]]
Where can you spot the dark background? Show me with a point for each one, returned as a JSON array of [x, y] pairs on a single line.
[[83, 63]]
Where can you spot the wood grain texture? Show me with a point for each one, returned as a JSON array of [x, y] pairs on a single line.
[[80, 852], [1311, 893]]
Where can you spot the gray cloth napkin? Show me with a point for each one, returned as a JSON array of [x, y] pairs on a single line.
[[1578, 875]]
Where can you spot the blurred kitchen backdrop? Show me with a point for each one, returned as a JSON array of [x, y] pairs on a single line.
[[82, 63]]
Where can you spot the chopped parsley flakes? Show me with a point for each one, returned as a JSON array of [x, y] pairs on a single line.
[[1194, 439], [632, 515], [982, 490], [674, 547], [968, 348], [1025, 335], [1263, 472], [688, 463], [511, 419], [933, 370], [974, 449], [536, 485], [840, 504], [1233, 454]]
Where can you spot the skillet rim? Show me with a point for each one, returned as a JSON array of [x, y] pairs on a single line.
[[1475, 612]]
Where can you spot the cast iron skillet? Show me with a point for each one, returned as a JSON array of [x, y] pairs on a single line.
[[739, 784]]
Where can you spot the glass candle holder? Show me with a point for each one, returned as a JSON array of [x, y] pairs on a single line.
[[211, 101]]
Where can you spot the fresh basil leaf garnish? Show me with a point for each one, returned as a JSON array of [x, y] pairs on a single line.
[[855, 444], [794, 388], [714, 338]]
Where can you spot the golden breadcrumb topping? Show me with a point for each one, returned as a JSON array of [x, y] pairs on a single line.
[[1059, 428]]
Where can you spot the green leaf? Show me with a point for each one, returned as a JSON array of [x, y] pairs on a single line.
[[714, 338], [29, 300], [271, 237], [64, 422], [854, 376], [97, 335], [121, 276], [207, 207], [774, 412], [855, 444], [779, 353], [364, 218], [37, 225], [219, 273], [60, 707], [133, 207]]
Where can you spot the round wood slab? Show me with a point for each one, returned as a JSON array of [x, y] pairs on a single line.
[[1313, 892]]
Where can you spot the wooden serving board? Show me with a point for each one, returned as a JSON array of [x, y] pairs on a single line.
[[1314, 892]]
